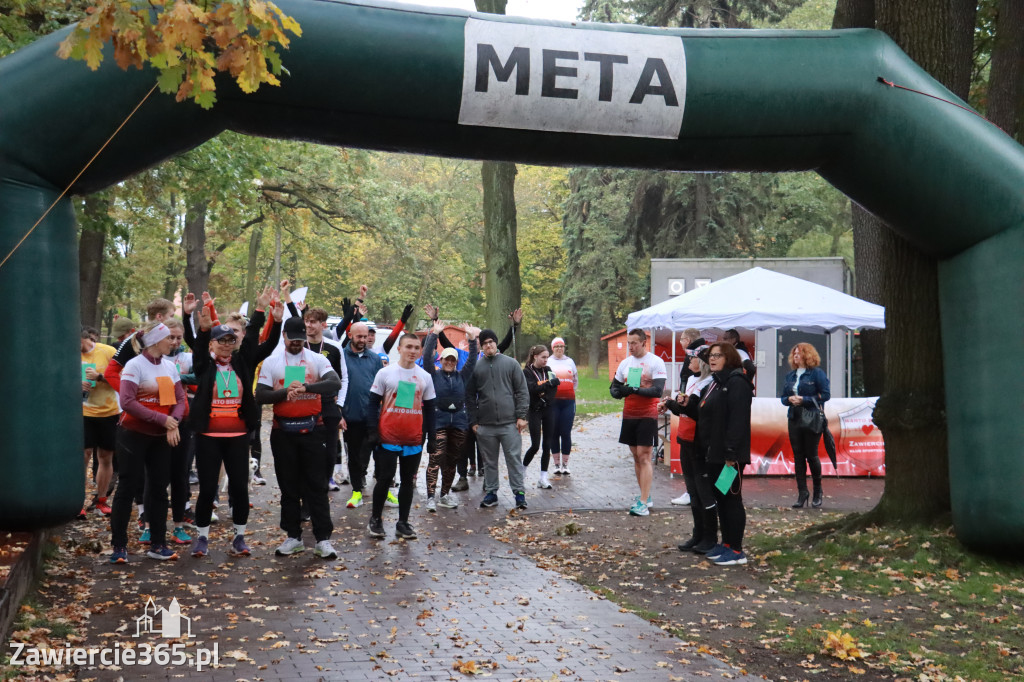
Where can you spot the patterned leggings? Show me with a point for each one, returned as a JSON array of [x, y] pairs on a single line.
[[450, 443]]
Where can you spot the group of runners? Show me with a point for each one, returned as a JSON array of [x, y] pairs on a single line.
[[186, 390]]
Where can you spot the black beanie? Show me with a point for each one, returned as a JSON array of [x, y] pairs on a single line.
[[488, 334]]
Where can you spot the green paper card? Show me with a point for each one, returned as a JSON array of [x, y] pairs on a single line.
[[725, 479], [85, 366], [633, 377], [226, 385], [406, 395], [294, 374]]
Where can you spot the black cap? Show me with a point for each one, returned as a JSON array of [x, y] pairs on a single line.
[[488, 334], [294, 329], [220, 331]]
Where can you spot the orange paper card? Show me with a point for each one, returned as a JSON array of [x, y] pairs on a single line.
[[166, 387]]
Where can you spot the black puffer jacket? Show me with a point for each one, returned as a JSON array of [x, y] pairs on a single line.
[[723, 417]]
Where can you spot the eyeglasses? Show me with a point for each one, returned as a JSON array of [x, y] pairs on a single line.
[[715, 356], [226, 340]]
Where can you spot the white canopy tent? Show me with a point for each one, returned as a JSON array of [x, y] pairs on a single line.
[[759, 299]]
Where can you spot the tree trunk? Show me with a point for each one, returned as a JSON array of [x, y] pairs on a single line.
[[594, 342], [197, 270], [250, 273], [938, 35], [503, 286], [854, 14], [90, 255], [1006, 79]]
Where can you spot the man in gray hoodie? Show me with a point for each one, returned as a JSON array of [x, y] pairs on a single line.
[[498, 402]]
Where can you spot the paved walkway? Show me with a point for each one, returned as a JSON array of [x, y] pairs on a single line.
[[415, 609]]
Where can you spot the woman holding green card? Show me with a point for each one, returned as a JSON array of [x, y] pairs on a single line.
[[722, 412], [224, 411]]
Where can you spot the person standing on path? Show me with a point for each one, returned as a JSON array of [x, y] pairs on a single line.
[[452, 419], [807, 388], [639, 382], [315, 320], [100, 414], [402, 395], [293, 382], [564, 406], [498, 402], [542, 384], [362, 363]]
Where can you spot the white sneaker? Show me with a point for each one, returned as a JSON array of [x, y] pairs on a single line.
[[565, 470], [290, 546], [214, 518], [650, 503], [448, 501], [324, 550], [682, 500], [259, 480], [543, 483], [557, 470], [431, 504], [332, 486]]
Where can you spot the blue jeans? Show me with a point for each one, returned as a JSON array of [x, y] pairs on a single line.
[[561, 437]]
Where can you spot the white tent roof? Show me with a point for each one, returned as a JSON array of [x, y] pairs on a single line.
[[760, 299]]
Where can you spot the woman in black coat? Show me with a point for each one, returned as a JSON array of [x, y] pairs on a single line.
[[807, 388], [722, 413]]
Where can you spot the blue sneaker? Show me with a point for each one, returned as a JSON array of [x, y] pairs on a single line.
[[144, 538], [120, 555], [716, 551], [730, 557], [520, 500], [238, 547], [161, 553], [180, 536], [201, 546], [490, 500]]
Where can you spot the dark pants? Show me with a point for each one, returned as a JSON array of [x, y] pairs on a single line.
[[698, 485], [450, 444], [143, 461], [385, 463], [470, 455], [561, 434], [805, 452], [300, 460], [233, 453], [358, 454], [332, 443], [180, 490], [732, 516], [542, 428]]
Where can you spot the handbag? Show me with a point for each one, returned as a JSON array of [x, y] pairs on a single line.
[[812, 419]]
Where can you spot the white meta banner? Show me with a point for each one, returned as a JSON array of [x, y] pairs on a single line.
[[572, 81]]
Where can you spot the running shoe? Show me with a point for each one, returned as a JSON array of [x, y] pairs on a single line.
[[471, 472], [521, 500], [84, 514], [102, 507], [119, 555], [557, 471], [392, 501], [682, 500], [193, 478], [716, 551], [565, 471], [144, 538], [238, 547], [161, 553], [448, 501], [544, 484], [650, 503], [375, 527], [431, 504], [200, 546], [332, 486], [324, 550], [639, 509], [258, 480], [730, 557], [356, 500], [290, 546], [404, 530], [461, 486], [490, 500], [180, 536]]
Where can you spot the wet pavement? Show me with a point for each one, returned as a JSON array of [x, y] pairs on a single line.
[[421, 609]]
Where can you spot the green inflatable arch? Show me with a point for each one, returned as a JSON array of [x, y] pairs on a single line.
[[382, 76]]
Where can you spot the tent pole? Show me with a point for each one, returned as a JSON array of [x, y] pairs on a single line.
[[675, 374]]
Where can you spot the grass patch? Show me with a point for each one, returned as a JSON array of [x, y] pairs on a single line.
[[592, 397]]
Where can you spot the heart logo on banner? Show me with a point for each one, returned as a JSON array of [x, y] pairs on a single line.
[[867, 429]]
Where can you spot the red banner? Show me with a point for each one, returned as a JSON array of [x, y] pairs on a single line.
[[860, 449]]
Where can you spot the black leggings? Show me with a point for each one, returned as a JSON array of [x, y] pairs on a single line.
[[542, 427], [385, 463], [732, 517], [142, 461], [180, 490], [233, 453], [805, 452]]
